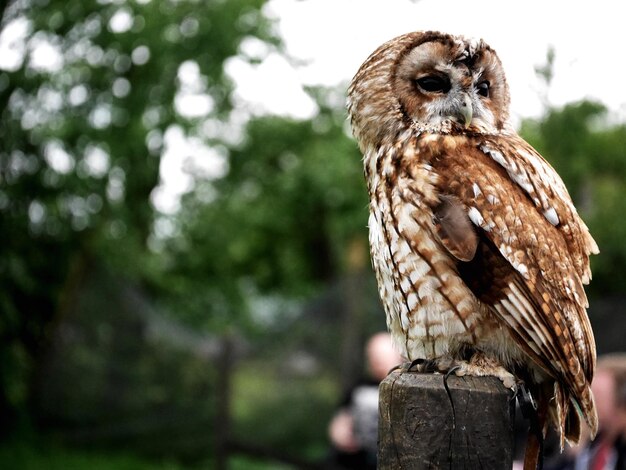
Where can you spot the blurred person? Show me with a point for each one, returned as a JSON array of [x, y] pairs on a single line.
[[353, 430], [608, 450]]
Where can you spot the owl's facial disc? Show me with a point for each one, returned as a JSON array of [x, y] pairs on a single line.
[[445, 100], [448, 84]]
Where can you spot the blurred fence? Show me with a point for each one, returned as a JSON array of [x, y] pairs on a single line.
[[120, 373]]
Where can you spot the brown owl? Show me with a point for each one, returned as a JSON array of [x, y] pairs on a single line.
[[479, 253]]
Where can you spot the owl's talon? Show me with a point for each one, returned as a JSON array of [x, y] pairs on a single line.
[[527, 404], [409, 366], [415, 363], [402, 367], [426, 366], [445, 385], [452, 370]]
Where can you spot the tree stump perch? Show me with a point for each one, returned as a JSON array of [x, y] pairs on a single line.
[[418, 430]]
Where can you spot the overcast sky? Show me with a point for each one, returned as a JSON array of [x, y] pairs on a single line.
[[333, 37]]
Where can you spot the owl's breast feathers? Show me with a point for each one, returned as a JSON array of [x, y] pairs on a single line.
[[510, 234]]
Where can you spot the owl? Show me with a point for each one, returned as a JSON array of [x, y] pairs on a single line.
[[480, 256]]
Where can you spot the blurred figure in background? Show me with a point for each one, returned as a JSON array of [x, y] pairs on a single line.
[[353, 431], [608, 450]]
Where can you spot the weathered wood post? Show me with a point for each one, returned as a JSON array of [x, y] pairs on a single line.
[[421, 427], [222, 401]]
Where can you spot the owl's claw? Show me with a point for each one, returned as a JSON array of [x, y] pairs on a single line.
[[409, 366], [445, 385], [417, 364], [527, 404]]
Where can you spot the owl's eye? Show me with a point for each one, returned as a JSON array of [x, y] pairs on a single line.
[[483, 89], [434, 83]]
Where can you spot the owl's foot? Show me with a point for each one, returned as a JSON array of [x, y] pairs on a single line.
[[414, 365], [478, 365]]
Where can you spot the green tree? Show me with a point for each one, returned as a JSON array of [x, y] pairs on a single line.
[[85, 108], [279, 223]]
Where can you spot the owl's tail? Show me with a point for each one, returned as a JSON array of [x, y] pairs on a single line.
[[567, 412]]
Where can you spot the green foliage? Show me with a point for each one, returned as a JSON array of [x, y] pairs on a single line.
[[30, 456], [293, 411], [246, 463], [278, 223], [82, 125], [119, 376]]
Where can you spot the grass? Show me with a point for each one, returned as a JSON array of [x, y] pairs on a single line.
[[27, 455], [273, 409], [283, 412]]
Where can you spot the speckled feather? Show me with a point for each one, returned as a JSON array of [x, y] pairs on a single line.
[[512, 286]]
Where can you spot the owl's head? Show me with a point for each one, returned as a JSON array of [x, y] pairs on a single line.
[[429, 81]]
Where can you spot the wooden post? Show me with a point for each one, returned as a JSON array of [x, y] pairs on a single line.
[[417, 428], [222, 401], [351, 354]]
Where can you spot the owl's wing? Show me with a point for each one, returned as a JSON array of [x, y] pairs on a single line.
[[545, 188], [536, 248]]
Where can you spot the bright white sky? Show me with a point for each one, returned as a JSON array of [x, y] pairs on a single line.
[[333, 37]]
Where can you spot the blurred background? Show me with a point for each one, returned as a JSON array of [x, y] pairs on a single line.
[[184, 271]]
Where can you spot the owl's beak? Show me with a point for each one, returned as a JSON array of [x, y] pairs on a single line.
[[466, 110]]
